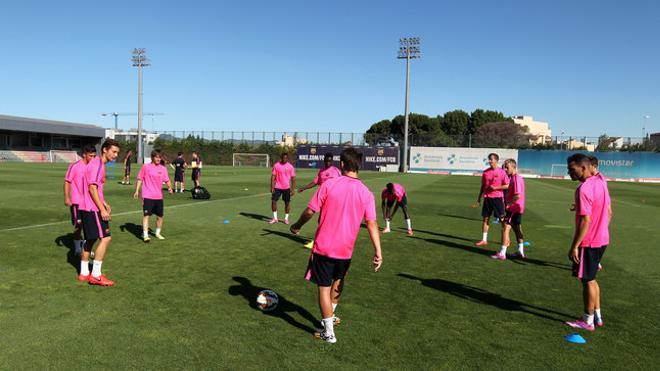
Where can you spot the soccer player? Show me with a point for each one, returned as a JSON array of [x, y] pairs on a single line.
[[343, 203], [151, 179], [179, 165], [393, 197], [590, 239], [73, 194], [127, 167], [196, 165], [95, 213], [595, 172], [329, 171], [515, 207], [493, 182], [282, 181]]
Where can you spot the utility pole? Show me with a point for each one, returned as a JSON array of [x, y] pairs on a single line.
[[408, 49], [140, 60]]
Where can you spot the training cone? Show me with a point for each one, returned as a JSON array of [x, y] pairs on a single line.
[[575, 338], [226, 221], [527, 243]]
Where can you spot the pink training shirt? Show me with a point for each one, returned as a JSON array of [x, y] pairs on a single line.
[[325, 174], [399, 192], [283, 175], [343, 203], [604, 180], [516, 187], [76, 177], [591, 198], [153, 176], [493, 177], [94, 174]]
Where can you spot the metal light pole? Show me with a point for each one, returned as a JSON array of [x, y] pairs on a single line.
[[140, 60], [409, 49]]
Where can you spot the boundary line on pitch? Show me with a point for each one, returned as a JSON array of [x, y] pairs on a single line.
[[140, 211]]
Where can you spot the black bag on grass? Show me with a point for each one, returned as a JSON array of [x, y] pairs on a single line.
[[200, 193]]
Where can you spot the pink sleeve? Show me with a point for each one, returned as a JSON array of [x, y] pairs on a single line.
[[316, 180], [293, 171], [141, 173], [69, 173], [93, 173], [586, 200], [517, 185], [506, 177], [370, 207], [166, 176], [317, 201], [274, 172]]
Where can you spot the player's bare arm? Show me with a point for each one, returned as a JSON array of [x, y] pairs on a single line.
[[580, 233], [272, 183], [293, 185], [94, 193], [169, 187], [67, 198], [377, 261], [137, 190]]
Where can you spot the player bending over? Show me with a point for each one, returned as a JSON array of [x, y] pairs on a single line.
[[515, 207], [74, 192], [393, 197], [95, 213], [493, 182], [179, 165], [127, 167], [328, 171], [151, 179], [590, 239], [343, 202], [282, 181]]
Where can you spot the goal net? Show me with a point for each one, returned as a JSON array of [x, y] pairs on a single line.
[[250, 159], [63, 156]]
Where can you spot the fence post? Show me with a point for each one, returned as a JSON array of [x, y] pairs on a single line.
[[470, 140]]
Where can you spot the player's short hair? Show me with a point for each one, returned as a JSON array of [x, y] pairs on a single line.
[[511, 162], [495, 155], [328, 156], [109, 143], [88, 148], [579, 158], [180, 153], [351, 159], [593, 160], [284, 154], [390, 187], [155, 152]]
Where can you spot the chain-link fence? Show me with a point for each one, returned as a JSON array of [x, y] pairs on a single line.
[[256, 138]]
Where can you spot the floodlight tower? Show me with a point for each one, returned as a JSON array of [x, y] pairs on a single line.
[[140, 60], [408, 49]]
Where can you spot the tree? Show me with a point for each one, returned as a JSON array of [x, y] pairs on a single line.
[[503, 134], [480, 117], [379, 133], [455, 122]]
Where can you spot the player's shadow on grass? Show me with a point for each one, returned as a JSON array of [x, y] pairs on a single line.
[[259, 217], [290, 236], [134, 229], [460, 217], [249, 292], [485, 252], [482, 296], [71, 257], [440, 234]]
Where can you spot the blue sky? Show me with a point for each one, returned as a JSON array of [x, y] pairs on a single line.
[[585, 66]]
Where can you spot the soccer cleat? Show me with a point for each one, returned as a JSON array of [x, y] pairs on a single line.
[[518, 255], [386, 230], [322, 335], [481, 243], [598, 322], [498, 256], [146, 239], [272, 221], [309, 244], [100, 281], [160, 236], [580, 324], [410, 232], [83, 278], [600, 267], [286, 221]]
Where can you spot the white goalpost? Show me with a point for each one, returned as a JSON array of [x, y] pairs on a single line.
[[250, 159], [63, 156]]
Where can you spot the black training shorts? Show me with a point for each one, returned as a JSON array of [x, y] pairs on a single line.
[[323, 270], [76, 219], [589, 260], [94, 227], [152, 207], [284, 193], [493, 206]]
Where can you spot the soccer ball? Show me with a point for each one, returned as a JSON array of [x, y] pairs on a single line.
[[267, 300]]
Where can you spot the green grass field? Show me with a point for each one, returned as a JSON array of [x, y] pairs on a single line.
[[437, 303]]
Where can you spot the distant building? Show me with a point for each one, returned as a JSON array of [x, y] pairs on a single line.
[[130, 135], [29, 134], [290, 141], [655, 139], [539, 129]]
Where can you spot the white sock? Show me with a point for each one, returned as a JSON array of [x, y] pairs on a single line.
[[84, 268], [409, 224], [521, 248], [96, 268], [597, 314], [485, 237], [157, 230], [387, 223], [145, 234], [334, 307], [274, 214], [286, 216], [329, 325], [503, 250], [588, 318]]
